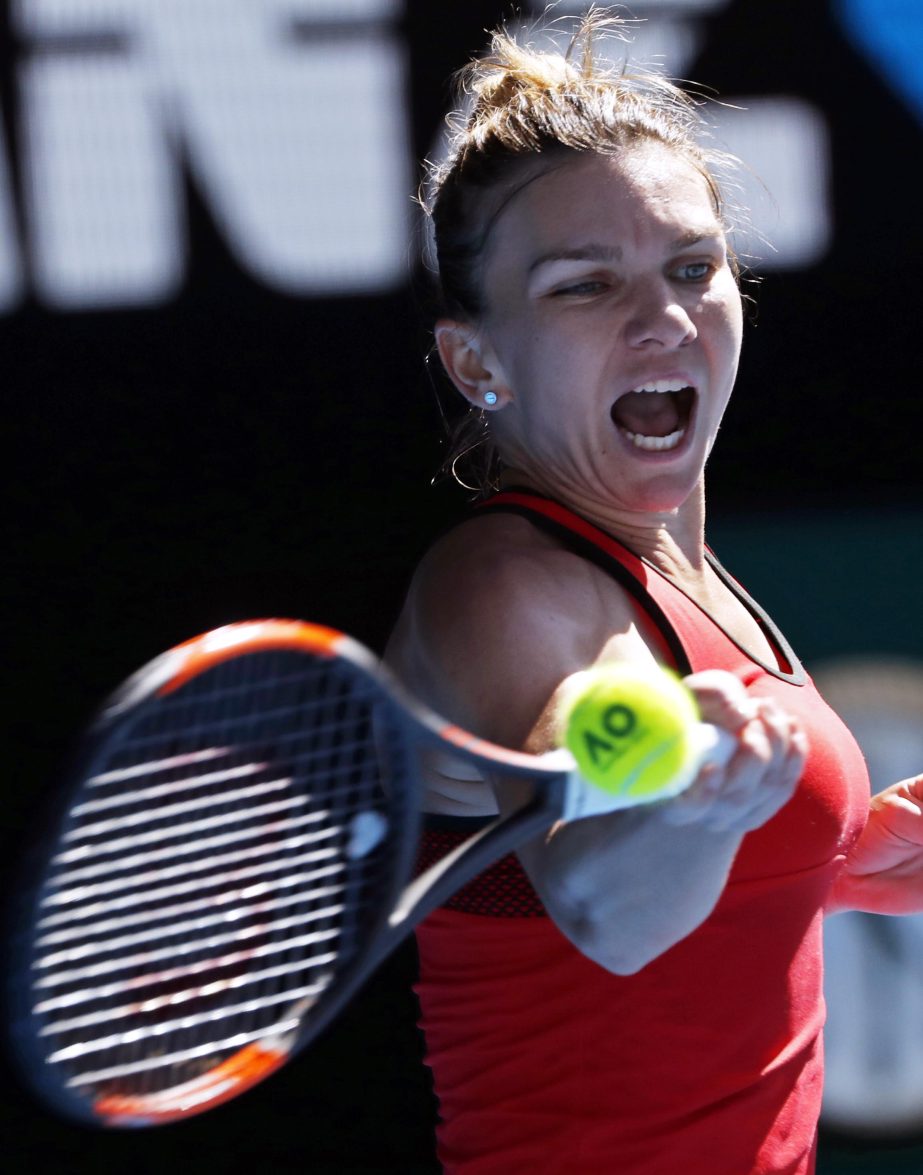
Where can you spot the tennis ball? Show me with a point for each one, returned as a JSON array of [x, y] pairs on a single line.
[[631, 730]]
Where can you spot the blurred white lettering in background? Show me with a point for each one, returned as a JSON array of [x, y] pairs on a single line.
[[291, 120], [289, 116]]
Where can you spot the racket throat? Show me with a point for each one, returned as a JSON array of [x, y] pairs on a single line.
[[432, 888]]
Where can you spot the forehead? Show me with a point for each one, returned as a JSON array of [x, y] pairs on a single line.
[[642, 195]]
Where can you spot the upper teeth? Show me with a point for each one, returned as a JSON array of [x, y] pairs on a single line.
[[661, 385]]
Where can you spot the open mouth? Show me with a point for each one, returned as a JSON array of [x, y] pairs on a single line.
[[655, 416]]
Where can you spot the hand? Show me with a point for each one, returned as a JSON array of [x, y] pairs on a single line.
[[761, 776], [884, 871]]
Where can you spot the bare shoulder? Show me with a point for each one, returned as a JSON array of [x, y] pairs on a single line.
[[501, 576], [497, 616]]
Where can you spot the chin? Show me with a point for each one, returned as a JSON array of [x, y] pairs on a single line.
[[662, 496]]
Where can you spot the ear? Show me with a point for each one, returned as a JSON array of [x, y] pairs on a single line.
[[471, 364]]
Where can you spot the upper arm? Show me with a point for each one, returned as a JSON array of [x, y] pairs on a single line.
[[495, 622]]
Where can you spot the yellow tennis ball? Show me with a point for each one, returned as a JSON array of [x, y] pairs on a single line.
[[631, 730]]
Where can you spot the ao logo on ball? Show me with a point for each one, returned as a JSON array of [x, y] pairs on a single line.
[[630, 728]]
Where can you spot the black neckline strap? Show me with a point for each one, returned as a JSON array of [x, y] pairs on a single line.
[[557, 521], [633, 573]]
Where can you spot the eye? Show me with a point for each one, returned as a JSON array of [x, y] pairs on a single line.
[[584, 288], [696, 271]]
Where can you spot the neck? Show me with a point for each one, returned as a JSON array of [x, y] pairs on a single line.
[[672, 540]]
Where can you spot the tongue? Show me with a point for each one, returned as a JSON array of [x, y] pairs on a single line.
[[651, 414]]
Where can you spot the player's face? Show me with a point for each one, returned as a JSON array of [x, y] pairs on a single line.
[[612, 327]]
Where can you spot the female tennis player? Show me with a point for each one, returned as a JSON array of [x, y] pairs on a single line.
[[638, 992]]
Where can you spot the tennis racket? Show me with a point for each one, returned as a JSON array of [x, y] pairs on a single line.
[[232, 859]]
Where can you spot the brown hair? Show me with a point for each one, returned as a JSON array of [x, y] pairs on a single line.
[[517, 102]]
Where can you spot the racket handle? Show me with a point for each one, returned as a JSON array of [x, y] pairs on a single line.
[[716, 745], [709, 745]]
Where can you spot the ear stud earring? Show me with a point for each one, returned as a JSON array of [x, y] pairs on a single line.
[[490, 398]]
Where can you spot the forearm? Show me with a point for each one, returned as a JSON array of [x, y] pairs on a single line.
[[625, 888]]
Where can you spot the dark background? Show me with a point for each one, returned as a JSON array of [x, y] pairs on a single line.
[[238, 452]]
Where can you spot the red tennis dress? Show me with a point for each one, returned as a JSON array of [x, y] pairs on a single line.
[[709, 1060]]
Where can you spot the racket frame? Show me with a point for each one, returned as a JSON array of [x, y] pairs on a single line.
[[407, 901]]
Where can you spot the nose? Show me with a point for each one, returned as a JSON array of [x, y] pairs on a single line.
[[657, 317]]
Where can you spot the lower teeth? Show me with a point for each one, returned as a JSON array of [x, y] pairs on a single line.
[[655, 444]]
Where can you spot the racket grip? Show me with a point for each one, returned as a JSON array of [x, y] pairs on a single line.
[[709, 745], [716, 745]]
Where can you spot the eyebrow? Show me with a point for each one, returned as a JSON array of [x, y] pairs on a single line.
[[596, 252], [695, 236], [581, 253]]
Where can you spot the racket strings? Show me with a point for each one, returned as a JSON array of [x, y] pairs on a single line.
[[103, 890], [224, 860]]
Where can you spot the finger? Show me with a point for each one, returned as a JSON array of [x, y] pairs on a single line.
[[722, 698], [689, 806], [773, 790], [786, 741], [762, 774], [914, 787], [719, 792]]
